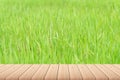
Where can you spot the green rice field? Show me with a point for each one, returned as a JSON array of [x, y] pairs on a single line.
[[59, 31]]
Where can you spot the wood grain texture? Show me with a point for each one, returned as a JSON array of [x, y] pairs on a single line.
[[18, 73], [114, 69], [99, 75], [111, 75], [60, 72], [40, 74], [29, 73], [63, 73], [7, 72], [4, 68], [86, 73], [74, 72], [52, 73]]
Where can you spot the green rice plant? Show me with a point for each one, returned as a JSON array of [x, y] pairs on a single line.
[[59, 31]]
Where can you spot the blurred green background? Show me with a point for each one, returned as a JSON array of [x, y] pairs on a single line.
[[59, 31]]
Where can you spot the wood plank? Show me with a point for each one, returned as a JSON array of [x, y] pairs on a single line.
[[29, 73], [86, 73], [52, 72], [1, 65], [114, 69], [40, 74], [18, 73], [4, 68], [63, 73], [99, 75], [6, 73], [117, 65], [60, 72], [111, 75], [74, 72]]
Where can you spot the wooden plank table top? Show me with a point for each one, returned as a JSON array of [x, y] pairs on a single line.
[[59, 72]]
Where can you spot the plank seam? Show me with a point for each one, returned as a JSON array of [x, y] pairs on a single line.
[[111, 70], [103, 72], [13, 72], [79, 71], [58, 71], [24, 72], [46, 72], [36, 71], [90, 72], [68, 71], [116, 67]]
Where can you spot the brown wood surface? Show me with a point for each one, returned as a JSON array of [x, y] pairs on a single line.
[[110, 74], [86, 73], [8, 71], [40, 74], [60, 72], [63, 73], [74, 72], [52, 73], [29, 73], [99, 75], [15, 75]]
